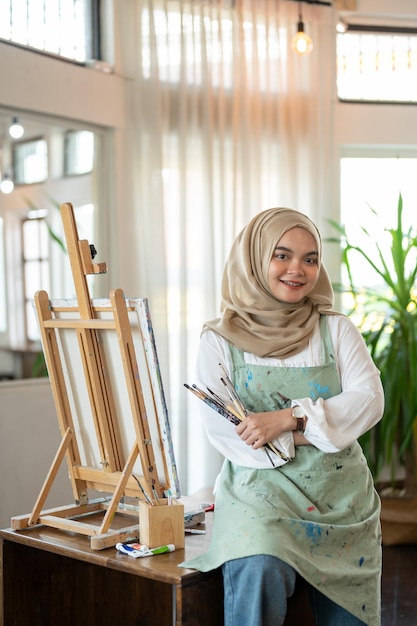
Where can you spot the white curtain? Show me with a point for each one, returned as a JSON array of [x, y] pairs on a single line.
[[226, 121]]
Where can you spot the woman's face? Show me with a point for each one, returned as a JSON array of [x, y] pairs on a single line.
[[293, 270]]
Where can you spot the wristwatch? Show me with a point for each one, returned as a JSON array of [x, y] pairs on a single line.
[[298, 414]]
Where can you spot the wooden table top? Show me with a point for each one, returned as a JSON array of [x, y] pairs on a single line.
[[161, 567]]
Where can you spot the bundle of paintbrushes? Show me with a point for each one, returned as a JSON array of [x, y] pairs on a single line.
[[233, 410]]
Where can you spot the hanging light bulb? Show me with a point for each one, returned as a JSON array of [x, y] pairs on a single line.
[[341, 26], [16, 129], [6, 185], [301, 43]]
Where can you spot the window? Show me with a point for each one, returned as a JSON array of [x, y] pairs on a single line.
[[30, 161], [374, 182], [66, 28], [35, 266], [32, 244], [44, 266], [377, 66], [78, 152]]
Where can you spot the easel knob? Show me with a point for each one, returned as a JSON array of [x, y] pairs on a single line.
[[86, 253]]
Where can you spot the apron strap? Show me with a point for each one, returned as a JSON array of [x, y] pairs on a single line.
[[326, 340]]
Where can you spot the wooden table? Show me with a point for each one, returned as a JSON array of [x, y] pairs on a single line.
[[53, 578]]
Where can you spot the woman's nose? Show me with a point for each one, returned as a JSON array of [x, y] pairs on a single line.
[[295, 266]]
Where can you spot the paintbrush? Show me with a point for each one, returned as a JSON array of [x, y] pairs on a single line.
[[211, 402], [230, 388]]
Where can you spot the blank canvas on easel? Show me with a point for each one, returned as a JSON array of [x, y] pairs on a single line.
[[151, 383]]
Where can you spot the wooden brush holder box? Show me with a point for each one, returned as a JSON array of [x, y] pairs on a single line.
[[161, 524]]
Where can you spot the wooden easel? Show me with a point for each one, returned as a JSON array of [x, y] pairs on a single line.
[[114, 474]]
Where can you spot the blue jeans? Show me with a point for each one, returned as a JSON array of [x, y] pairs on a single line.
[[256, 589]]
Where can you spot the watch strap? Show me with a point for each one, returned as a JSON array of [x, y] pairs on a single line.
[[298, 414], [300, 426]]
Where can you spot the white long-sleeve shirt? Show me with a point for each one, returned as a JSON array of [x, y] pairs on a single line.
[[332, 424]]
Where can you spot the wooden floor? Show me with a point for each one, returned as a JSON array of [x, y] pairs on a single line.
[[399, 586]]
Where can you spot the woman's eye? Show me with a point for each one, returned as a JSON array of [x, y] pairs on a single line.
[[311, 261]]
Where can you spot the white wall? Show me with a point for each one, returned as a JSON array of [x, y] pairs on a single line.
[[43, 84], [29, 439], [375, 125]]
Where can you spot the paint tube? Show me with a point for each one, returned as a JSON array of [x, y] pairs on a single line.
[[128, 549]]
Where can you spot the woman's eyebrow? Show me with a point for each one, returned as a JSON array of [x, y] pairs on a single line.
[[312, 253]]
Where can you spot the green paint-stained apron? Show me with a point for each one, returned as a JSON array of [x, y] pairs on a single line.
[[319, 513]]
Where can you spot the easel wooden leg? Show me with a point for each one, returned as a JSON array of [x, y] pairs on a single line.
[[118, 492], [56, 464]]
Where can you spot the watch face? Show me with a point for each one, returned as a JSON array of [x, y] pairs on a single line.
[[297, 411]]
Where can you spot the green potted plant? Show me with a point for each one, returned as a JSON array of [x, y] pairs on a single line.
[[387, 318]]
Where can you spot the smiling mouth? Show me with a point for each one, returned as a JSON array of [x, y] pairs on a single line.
[[290, 283]]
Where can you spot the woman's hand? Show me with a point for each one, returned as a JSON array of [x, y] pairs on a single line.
[[261, 428]]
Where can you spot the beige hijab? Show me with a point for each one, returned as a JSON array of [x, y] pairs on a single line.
[[252, 318]]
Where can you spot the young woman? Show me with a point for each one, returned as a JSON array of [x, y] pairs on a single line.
[[305, 376]]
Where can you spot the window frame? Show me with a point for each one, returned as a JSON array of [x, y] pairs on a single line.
[[373, 30], [92, 39], [16, 146], [41, 260]]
